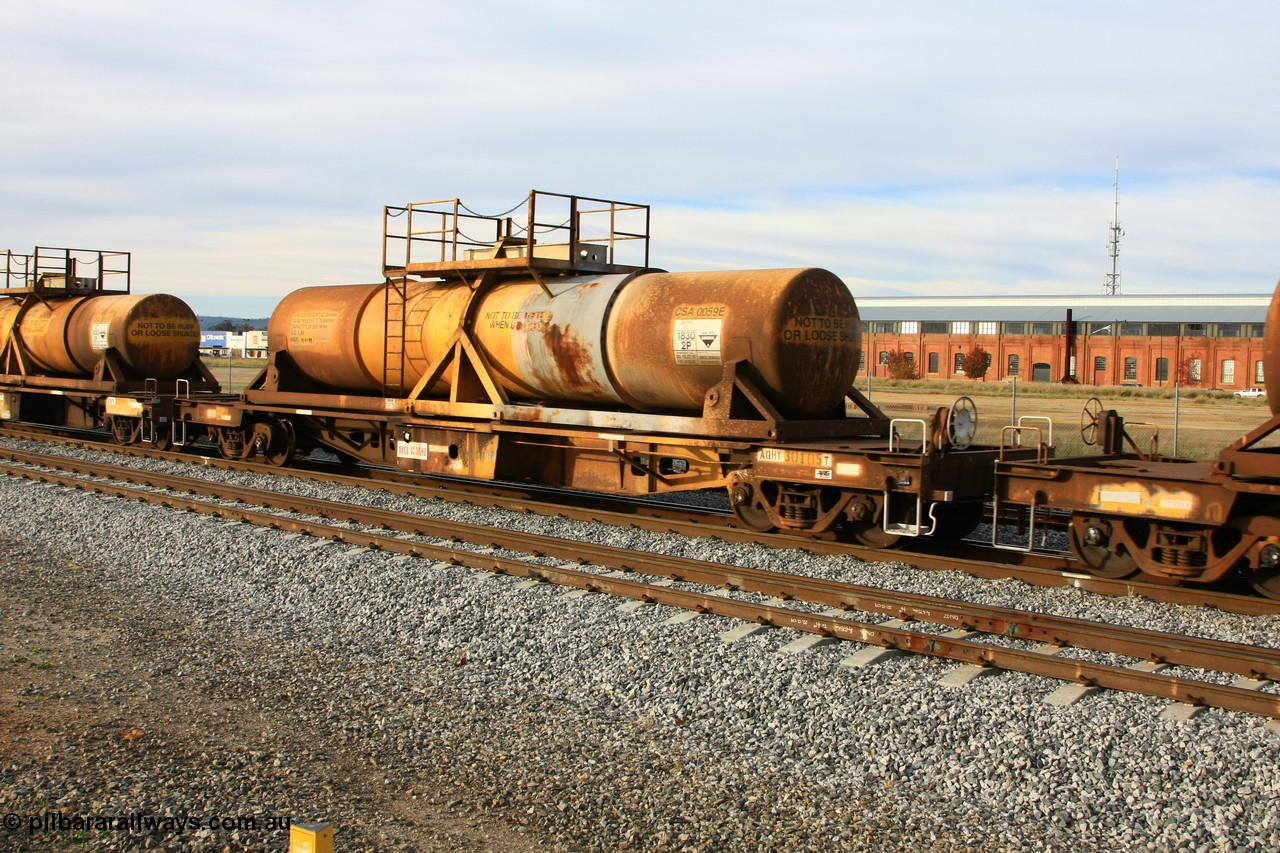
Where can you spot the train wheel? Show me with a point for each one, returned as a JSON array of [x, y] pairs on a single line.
[[863, 525], [872, 535], [283, 445], [1266, 582], [1091, 541], [1266, 577], [750, 508], [162, 440]]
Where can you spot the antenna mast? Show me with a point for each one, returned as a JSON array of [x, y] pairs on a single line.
[[1111, 286]]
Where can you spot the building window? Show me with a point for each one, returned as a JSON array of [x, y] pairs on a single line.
[[1099, 328], [1228, 330], [911, 358], [1162, 330], [862, 361], [1013, 365], [1130, 367], [1162, 369], [1257, 372], [1099, 364], [933, 362], [1228, 371], [884, 356], [1193, 330], [910, 327], [936, 327], [1193, 369], [1043, 328], [959, 362], [1131, 329], [960, 327], [1015, 328], [988, 328]]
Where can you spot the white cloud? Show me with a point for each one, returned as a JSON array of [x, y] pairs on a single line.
[[242, 148]]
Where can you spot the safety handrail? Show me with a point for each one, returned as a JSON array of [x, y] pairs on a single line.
[[1153, 443], [895, 438], [1011, 437], [79, 270], [545, 225], [1029, 418]]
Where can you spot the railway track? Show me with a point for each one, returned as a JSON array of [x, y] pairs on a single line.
[[986, 638], [1038, 568]]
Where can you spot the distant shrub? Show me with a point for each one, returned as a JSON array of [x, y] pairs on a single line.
[[901, 367], [975, 362]]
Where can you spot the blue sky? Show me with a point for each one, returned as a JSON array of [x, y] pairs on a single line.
[[240, 150]]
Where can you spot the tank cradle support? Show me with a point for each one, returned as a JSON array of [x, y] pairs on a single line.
[[737, 397], [472, 377]]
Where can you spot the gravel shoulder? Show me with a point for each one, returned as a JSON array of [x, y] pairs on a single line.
[[421, 706], [118, 705]]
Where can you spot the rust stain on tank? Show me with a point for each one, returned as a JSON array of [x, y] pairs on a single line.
[[573, 360]]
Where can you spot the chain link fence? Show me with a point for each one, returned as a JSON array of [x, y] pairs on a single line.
[[1176, 422]]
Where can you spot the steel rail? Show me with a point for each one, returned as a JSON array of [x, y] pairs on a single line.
[[1036, 568], [1255, 662], [1064, 631]]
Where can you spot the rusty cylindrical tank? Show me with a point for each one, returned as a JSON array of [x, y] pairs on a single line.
[[648, 341], [155, 334], [1271, 353]]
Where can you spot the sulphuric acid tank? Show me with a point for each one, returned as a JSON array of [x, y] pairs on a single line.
[[156, 335], [648, 341], [1271, 353]]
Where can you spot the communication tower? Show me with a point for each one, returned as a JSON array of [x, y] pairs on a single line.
[[1111, 286]]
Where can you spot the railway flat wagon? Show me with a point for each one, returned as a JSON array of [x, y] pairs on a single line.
[[1136, 511], [543, 348], [78, 349]]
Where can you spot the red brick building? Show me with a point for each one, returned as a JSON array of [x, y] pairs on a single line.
[[1215, 341]]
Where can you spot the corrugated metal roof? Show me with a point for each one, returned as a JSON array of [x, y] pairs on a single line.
[[1171, 308]]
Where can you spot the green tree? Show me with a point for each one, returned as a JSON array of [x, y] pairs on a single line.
[[235, 328]]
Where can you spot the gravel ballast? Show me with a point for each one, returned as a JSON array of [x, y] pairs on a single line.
[[171, 664]]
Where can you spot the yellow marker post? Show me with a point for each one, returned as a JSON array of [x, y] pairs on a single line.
[[311, 838]]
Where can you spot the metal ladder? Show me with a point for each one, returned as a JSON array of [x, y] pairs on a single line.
[[395, 295]]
